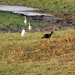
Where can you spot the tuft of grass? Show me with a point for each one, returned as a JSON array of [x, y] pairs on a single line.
[[4, 29]]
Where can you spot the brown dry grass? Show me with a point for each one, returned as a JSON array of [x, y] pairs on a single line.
[[53, 48], [35, 56], [40, 50]]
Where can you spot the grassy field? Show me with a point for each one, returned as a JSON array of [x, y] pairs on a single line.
[[57, 6], [7, 18], [32, 55], [8, 21]]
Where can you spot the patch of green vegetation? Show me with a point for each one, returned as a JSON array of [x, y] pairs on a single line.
[[4, 29], [13, 20], [7, 18]]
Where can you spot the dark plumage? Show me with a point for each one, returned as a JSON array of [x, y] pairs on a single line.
[[47, 35]]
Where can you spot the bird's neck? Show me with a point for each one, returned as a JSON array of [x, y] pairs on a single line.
[[29, 24], [51, 33], [25, 17]]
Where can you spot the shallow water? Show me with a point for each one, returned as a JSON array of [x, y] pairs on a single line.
[[21, 10], [16, 8], [28, 11]]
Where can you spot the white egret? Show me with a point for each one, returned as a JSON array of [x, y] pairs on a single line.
[[23, 32], [30, 27], [25, 21]]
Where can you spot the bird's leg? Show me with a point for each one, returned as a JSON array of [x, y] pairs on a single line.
[[25, 23], [21, 38], [28, 36], [29, 31]]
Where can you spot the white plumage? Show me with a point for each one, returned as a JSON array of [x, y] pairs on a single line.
[[23, 33], [25, 21], [30, 27]]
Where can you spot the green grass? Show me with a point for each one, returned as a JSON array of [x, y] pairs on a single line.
[[38, 68], [32, 55], [59, 6], [7, 18], [13, 20]]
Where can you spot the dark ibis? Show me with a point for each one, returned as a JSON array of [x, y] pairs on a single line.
[[47, 35]]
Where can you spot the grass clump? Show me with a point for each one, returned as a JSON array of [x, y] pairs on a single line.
[[4, 29]]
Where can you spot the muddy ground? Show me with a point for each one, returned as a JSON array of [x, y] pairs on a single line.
[[59, 22]]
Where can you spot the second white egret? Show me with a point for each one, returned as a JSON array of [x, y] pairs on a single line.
[[25, 21], [30, 27], [23, 32]]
